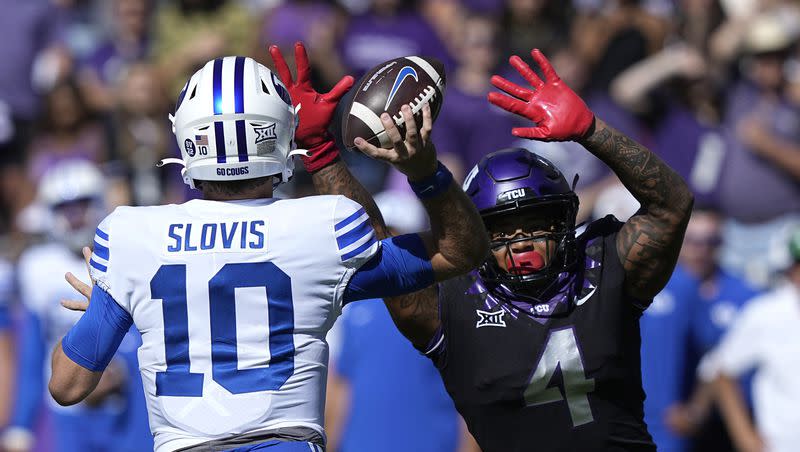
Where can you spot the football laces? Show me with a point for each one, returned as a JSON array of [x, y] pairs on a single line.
[[416, 105]]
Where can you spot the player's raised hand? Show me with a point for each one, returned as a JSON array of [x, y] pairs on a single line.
[[559, 113], [315, 110], [82, 288], [415, 156]]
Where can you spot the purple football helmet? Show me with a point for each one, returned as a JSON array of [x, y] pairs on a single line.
[[510, 182]]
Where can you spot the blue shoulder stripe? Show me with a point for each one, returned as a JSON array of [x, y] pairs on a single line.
[[352, 236], [101, 251], [98, 265], [359, 250], [349, 219], [101, 234]]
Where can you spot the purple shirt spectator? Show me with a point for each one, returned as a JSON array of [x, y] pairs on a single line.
[[469, 127], [488, 7], [371, 39], [30, 27], [751, 188], [694, 150], [292, 22], [108, 60], [46, 152]]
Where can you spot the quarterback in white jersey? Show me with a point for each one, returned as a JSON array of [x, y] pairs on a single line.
[[234, 294]]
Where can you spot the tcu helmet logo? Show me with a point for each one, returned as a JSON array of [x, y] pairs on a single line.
[[511, 195], [490, 318]]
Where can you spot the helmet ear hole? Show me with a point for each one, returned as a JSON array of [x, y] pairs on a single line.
[[264, 87], [194, 92]]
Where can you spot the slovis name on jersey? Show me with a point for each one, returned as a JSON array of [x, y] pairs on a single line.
[[233, 236]]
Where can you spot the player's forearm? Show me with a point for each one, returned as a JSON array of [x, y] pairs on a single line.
[[632, 86], [649, 242], [69, 382], [336, 179], [701, 400], [6, 376], [656, 186], [733, 410], [782, 154], [458, 237], [415, 314]]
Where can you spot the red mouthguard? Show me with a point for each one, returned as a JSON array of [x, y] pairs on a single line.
[[524, 263]]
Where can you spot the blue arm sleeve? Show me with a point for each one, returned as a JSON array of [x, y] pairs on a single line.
[[30, 373], [92, 342], [401, 266]]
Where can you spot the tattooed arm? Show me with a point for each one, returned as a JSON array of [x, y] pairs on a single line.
[[649, 242], [336, 179], [416, 315]]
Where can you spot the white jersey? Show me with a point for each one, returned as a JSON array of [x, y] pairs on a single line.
[[42, 286], [233, 301], [766, 337]]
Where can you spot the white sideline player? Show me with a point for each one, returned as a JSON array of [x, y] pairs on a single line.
[[72, 194], [234, 294]]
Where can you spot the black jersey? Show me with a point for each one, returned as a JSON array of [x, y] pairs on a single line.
[[568, 382]]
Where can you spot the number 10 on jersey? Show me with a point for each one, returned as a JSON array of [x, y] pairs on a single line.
[[169, 285]]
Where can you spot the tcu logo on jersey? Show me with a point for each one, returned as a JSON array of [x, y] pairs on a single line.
[[490, 318], [542, 308], [511, 195]]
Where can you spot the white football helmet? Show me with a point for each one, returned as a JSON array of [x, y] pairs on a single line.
[[73, 193], [234, 120]]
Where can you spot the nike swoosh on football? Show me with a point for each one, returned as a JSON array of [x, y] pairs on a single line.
[[406, 71]]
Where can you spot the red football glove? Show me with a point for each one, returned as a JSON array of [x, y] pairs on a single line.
[[315, 110], [559, 114]]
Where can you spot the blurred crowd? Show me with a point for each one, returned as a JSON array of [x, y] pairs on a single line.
[[712, 86]]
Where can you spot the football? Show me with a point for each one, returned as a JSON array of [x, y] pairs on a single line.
[[411, 80]]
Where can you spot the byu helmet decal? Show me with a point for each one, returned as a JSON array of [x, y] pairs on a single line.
[[234, 120]]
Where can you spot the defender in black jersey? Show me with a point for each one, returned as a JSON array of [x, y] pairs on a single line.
[[539, 348]]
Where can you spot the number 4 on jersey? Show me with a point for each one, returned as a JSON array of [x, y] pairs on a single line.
[[561, 351]]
